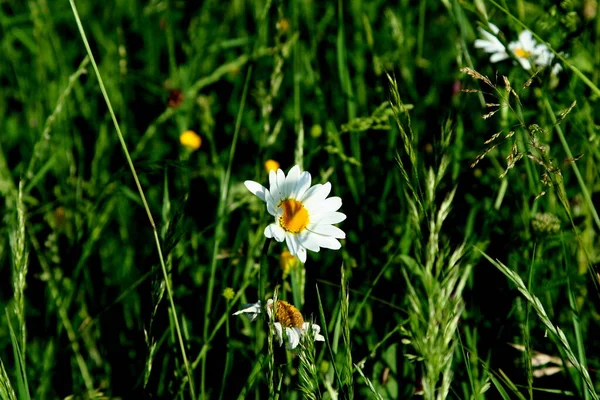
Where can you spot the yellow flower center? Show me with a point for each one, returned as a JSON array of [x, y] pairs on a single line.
[[288, 315], [295, 216], [522, 53]]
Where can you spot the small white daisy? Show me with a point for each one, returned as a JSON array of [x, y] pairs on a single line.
[[491, 44], [287, 319], [304, 216], [545, 57], [525, 49]]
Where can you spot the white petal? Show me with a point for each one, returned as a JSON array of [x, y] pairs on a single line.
[[556, 69], [293, 337], [280, 177], [317, 193], [274, 187], [328, 242], [524, 63], [526, 39], [328, 205], [302, 255], [302, 185], [292, 244], [328, 230], [278, 332], [252, 309], [270, 307], [290, 181], [271, 205], [328, 218], [308, 241], [275, 231], [496, 57], [315, 331], [493, 28], [256, 189]]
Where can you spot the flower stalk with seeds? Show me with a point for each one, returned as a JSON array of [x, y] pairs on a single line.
[[288, 322], [304, 216]]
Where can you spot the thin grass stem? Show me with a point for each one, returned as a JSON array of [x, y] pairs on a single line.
[[141, 193]]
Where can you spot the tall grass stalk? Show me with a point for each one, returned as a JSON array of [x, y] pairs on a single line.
[[20, 262], [434, 275], [6, 390], [142, 197], [557, 335], [584, 190]]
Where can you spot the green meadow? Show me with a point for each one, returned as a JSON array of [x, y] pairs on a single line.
[[460, 137]]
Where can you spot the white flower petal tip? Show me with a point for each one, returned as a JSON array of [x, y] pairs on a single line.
[[251, 310], [304, 215], [256, 189]]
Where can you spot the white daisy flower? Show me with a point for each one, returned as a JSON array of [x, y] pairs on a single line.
[[525, 49], [287, 319], [304, 216], [491, 44], [545, 57]]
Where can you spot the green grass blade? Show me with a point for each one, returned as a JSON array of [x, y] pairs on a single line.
[[182, 347]]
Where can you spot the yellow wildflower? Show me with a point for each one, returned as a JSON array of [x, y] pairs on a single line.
[[191, 140]]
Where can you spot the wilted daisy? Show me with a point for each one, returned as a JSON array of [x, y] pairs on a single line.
[[304, 216], [288, 322]]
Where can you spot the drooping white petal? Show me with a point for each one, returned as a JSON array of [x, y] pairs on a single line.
[[301, 255], [278, 332], [270, 308], [293, 338], [497, 57], [328, 230], [256, 189], [328, 242], [292, 244], [275, 231]]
